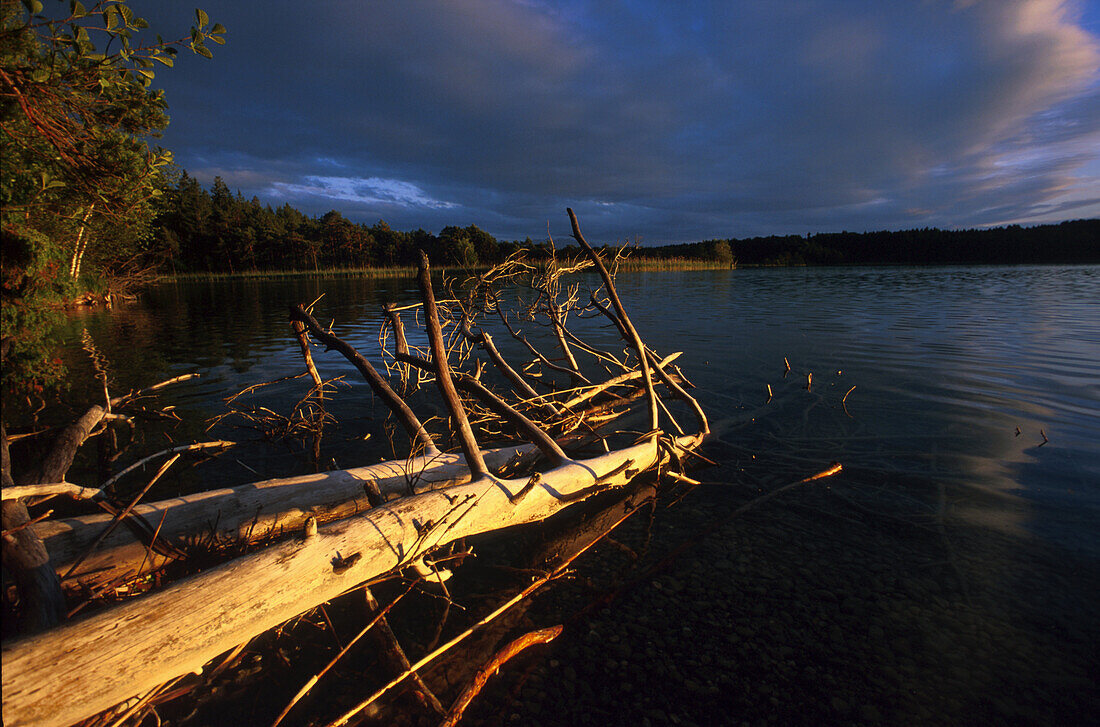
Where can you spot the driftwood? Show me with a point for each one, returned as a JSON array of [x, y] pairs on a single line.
[[17, 492], [135, 646], [258, 509], [342, 529]]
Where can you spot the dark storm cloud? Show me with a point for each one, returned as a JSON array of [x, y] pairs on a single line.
[[669, 121]]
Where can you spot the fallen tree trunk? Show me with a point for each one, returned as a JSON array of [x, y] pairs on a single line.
[[134, 647], [253, 511], [258, 509], [53, 466]]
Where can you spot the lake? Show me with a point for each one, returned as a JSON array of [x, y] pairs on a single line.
[[949, 574]]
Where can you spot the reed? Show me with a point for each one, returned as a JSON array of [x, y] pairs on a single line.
[[363, 272], [677, 263], [633, 264]]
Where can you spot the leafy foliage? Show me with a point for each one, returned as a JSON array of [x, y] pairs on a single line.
[[77, 114]]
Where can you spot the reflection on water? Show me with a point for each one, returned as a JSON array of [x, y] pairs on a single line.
[[955, 558], [947, 363]]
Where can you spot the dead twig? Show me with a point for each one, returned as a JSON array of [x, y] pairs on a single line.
[[50, 489], [541, 636], [216, 444], [22, 526], [317, 677], [118, 518]]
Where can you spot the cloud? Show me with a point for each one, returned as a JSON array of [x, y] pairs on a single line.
[[370, 191], [674, 122]]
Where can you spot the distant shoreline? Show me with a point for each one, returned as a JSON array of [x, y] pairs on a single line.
[[638, 265], [210, 235], [630, 265]]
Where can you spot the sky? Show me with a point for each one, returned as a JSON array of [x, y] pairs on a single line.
[[656, 122]]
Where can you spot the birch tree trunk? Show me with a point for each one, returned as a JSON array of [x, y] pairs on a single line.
[[81, 244]]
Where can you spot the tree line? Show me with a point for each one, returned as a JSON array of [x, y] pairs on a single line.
[[1076, 241], [219, 231]]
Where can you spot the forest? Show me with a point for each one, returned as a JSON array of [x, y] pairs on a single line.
[[218, 231]]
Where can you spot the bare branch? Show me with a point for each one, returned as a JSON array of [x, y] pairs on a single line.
[[443, 373], [633, 336], [416, 431]]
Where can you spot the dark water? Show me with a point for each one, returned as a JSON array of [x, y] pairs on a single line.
[[948, 575]]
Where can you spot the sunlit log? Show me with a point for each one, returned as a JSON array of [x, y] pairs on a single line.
[[137, 645]]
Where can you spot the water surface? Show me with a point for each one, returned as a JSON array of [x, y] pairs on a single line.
[[948, 574]]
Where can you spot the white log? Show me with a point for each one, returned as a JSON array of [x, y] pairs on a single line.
[[82, 668], [268, 507], [51, 488]]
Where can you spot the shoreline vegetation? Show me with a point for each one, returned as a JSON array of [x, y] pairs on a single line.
[[629, 264], [641, 265]]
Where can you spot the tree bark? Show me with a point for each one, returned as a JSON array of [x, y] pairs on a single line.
[[81, 243], [26, 558], [59, 459], [443, 372]]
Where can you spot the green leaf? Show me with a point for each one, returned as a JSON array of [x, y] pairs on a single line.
[[34, 7], [202, 17], [165, 60], [217, 39], [141, 23], [218, 28], [110, 17], [203, 51], [77, 9], [49, 182], [40, 75]]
